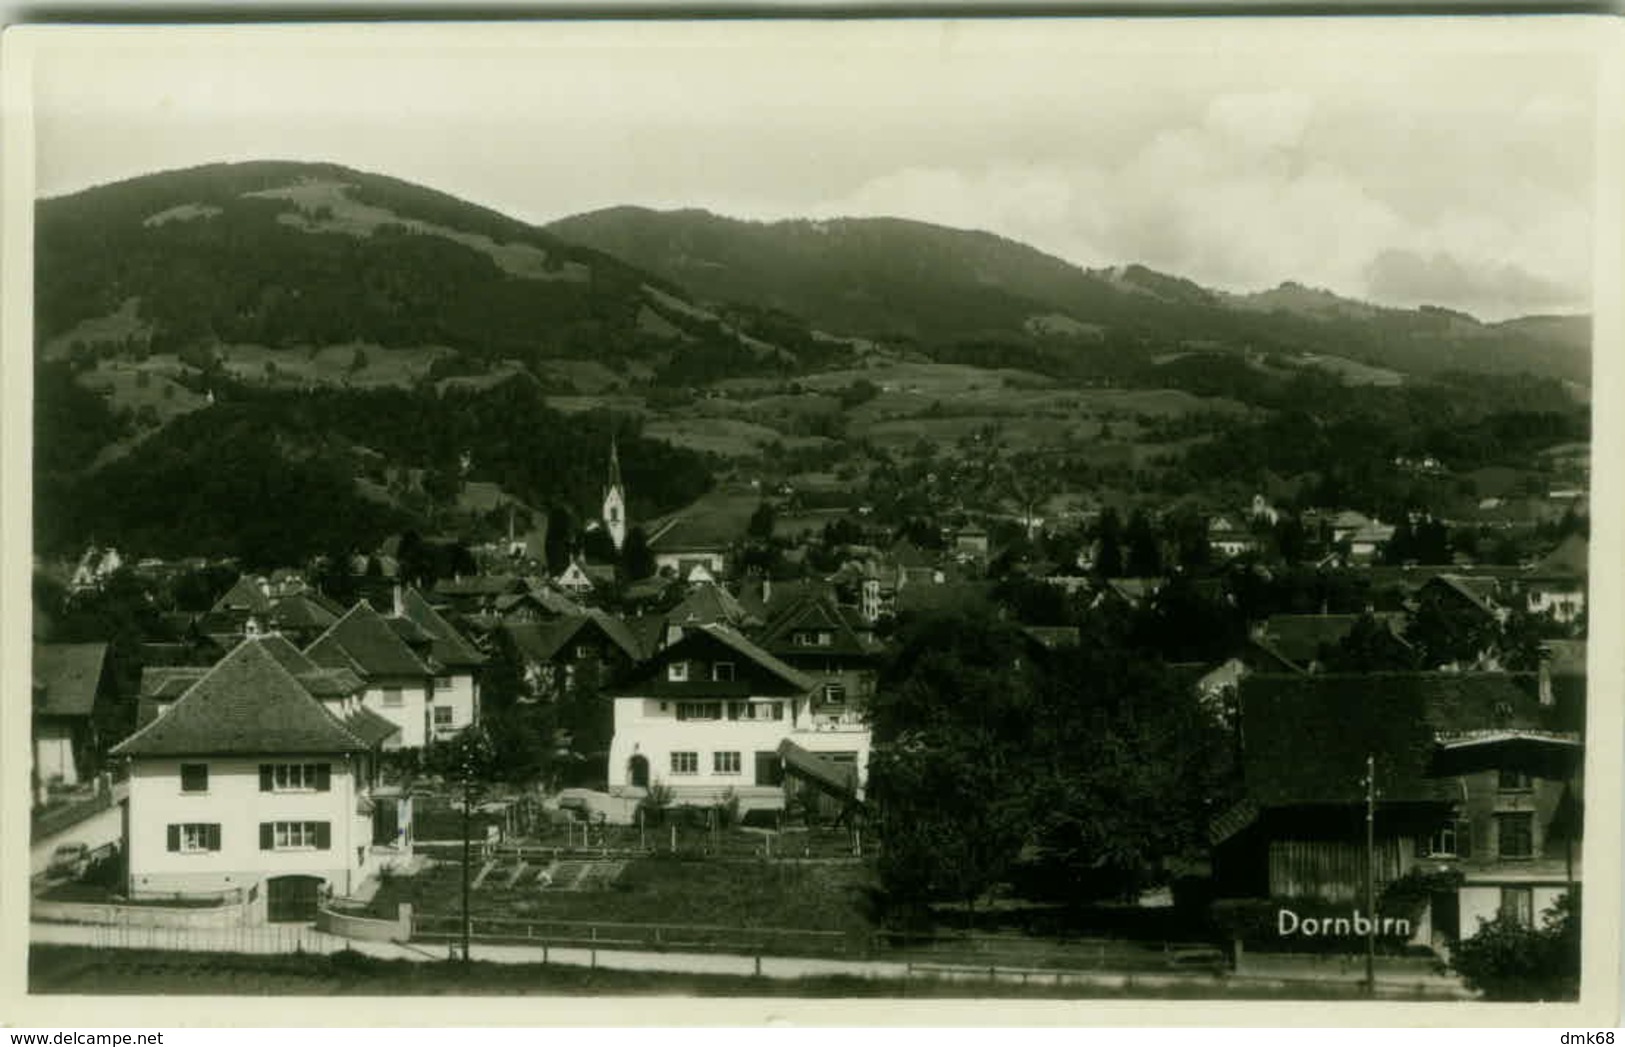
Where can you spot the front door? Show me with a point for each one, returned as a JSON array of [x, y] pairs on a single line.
[[1446, 909], [292, 899], [386, 822], [769, 769], [638, 772]]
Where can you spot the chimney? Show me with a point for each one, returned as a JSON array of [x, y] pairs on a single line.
[[767, 590], [1546, 696], [399, 601]]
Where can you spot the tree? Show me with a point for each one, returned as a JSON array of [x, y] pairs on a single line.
[[1506, 960], [1144, 550], [761, 522], [636, 558], [1369, 647], [1443, 635], [1109, 557], [948, 771], [560, 545]]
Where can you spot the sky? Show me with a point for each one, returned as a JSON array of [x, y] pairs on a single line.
[[1408, 161]]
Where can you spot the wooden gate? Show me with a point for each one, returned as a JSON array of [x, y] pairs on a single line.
[[292, 899]]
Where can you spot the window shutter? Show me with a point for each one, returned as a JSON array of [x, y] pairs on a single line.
[[324, 838], [174, 837], [266, 781], [1464, 839], [266, 837], [214, 837], [324, 777]]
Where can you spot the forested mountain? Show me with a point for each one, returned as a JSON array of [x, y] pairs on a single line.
[[879, 277]]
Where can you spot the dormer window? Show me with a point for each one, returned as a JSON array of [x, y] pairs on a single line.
[[677, 672]]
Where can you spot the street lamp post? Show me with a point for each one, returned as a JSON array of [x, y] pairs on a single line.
[[1371, 876]]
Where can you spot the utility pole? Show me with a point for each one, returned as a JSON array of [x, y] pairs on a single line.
[[1370, 876], [468, 794]]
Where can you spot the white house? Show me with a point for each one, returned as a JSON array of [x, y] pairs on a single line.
[[711, 713], [249, 786], [399, 680], [455, 691]]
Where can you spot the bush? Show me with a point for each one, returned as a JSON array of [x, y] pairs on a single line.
[[1507, 961]]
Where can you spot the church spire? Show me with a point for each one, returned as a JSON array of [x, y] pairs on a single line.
[[615, 499]]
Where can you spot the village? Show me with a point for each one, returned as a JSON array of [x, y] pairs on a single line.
[[703, 744]]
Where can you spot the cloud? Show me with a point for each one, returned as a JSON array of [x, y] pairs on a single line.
[[1409, 278]]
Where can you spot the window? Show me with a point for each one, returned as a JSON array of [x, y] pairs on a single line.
[[803, 639], [677, 672], [722, 671], [442, 683], [1515, 781], [685, 763], [1450, 840], [834, 694], [1515, 834], [194, 837], [699, 710], [725, 763], [295, 777], [295, 836], [392, 697], [584, 651], [825, 639], [442, 716], [1518, 905], [194, 777]]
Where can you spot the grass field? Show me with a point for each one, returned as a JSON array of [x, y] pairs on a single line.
[[815, 897]]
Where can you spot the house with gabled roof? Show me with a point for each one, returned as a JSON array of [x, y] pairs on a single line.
[[1304, 640], [833, 645], [70, 681], [714, 713], [455, 690], [1556, 585], [1477, 776], [556, 655], [399, 680], [249, 786], [684, 543], [707, 605]]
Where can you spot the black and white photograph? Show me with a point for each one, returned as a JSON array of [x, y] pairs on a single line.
[[1066, 512]]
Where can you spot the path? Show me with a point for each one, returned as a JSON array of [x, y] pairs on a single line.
[[287, 938]]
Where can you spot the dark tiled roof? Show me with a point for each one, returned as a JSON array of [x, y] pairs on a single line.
[[814, 612], [1571, 559], [707, 604], [446, 644], [370, 727], [542, 641], [301, 611], [364, 642], [1305, 737], [479, 585], [245, 595], [1300, 637], [784, 678], [247, 704], [697, 534], [169, 682], [69, 675], [1479, 592]]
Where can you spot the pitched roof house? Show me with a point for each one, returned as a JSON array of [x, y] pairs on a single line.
[[711, 713], [69, 682], [1471, 773], [250, 786], [398, 678]]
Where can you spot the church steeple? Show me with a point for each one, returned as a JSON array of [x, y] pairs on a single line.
[[615, 500]]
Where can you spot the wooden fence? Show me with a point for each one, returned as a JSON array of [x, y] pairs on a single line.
[[947, 949]]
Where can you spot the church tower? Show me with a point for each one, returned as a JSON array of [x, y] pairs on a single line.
[[615, 500]]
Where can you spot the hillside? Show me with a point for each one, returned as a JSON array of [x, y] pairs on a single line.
[[883, 277]]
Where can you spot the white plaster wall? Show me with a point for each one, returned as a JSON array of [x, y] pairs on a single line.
[[463, 697], [408, 716], [53, 753], [234, 801]]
